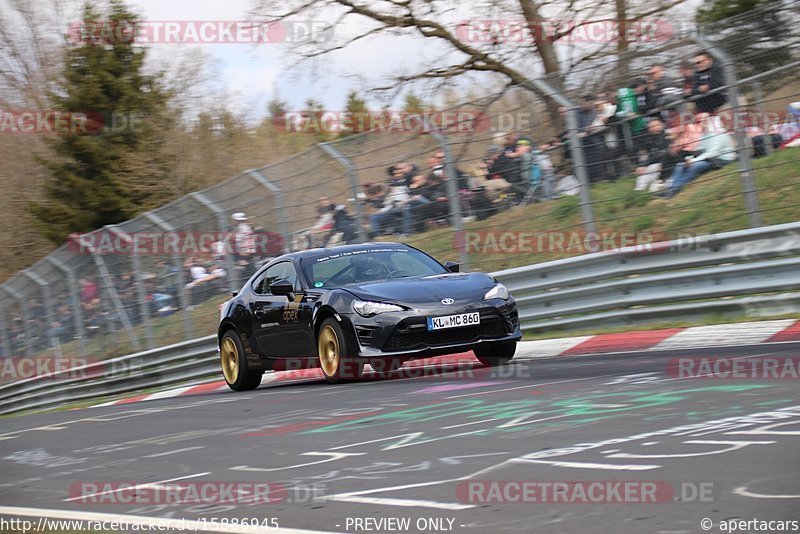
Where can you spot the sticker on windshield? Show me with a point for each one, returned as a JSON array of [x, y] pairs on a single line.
[[319, 284]]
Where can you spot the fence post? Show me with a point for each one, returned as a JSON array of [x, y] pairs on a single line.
[[352, 173], [75, 302], [453, 196], [141, 294], [222, 227], [544, 88], [23, 310], [743, 148], [280, 207], [178, 264], [4, 333], [47, 302], [111, 291]]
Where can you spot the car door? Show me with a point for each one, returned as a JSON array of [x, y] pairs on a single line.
[[281, 324]]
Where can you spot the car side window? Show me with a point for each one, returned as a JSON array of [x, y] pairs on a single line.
[[284, 269]]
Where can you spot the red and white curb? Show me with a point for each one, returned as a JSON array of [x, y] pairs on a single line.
[[723, 335]]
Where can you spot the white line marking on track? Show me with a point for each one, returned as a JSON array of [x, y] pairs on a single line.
[[590, 465], [132, 488], [742, 490], [156, 455], [489, 392], [333, 456], [404, 502], [149, 522]]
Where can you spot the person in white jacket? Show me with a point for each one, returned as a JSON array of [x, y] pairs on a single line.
[[716, 150]]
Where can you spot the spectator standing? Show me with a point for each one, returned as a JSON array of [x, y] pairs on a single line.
[[708, 76]]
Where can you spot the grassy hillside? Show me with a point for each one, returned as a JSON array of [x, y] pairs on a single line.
[[712, 204]]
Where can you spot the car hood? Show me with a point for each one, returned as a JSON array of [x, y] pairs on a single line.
[[460, 287]]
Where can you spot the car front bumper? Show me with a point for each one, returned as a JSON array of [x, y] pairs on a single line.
[[406, 333]]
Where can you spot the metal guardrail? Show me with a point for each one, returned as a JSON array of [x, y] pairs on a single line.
[[756, 271]]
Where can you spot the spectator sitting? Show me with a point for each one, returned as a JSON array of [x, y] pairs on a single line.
[[396, 196], [345, 227], [493, 185], [501, 165], [656, 159], [708, 76], [90, 296], [372, 197], [716, 150], [317, 235], [434, 190], [418, 196], [686, 139]]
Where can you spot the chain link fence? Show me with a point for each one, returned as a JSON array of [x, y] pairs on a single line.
[[626, 150]]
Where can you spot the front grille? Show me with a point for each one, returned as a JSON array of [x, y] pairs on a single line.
[[412, 335]]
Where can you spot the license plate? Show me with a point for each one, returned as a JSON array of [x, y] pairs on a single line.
[[454, 321]]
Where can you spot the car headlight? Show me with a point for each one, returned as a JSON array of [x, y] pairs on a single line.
[[367, 308], [499, 291]]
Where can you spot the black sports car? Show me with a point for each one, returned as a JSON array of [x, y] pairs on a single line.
[[378, 303]]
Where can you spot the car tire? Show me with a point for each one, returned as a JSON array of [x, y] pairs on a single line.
[[495, 354], [336, 353], [234, 365]]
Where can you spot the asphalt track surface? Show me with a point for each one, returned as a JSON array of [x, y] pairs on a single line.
[[406, 447]]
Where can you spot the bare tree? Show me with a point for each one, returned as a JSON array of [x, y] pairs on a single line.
[[514, 40]]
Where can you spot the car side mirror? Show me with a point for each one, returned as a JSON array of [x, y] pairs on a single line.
[[451, 266], [281, 287]]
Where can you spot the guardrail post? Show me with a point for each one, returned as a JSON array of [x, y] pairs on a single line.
[[451, 172], [280, 206], [743, 148], [575, 146], [177, 261], [47, 298], [352, 173], [222, 227], [111, 291], [75, 301], [141, 293], [23, 310]]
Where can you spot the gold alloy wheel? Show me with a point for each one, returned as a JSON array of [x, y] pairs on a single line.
[[328, 347], [229, 356]]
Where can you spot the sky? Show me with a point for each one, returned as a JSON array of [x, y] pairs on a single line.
[[251, 74]]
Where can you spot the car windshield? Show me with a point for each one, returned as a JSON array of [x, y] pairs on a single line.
[[367, 265]]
